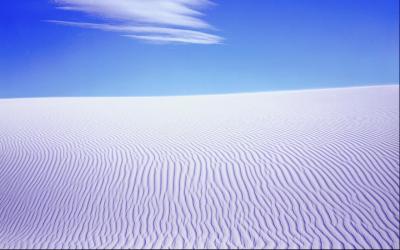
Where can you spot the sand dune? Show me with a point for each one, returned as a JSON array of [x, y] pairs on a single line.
[[310, 169]]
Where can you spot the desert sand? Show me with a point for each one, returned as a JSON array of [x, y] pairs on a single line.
[[289, 169]]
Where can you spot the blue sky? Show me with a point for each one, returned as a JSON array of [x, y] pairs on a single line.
[[185, 47]]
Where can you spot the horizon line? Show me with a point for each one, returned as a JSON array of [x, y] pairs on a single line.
[[372, 85]]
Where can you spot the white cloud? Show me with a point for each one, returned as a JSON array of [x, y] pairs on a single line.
[[208, 39], [149, 20], [152, 33]]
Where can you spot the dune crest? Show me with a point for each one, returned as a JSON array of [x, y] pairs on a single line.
[[309, 169]]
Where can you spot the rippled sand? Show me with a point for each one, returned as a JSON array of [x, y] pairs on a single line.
[[309, 169]]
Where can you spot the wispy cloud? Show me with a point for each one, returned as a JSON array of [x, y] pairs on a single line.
[[162, 21], [151, 33]]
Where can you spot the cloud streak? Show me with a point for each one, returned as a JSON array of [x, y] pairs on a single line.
[[151, 33], [161, 21]]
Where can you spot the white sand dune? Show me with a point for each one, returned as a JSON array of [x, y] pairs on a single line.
[[312, 169]]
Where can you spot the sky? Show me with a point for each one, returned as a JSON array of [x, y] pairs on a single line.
[[51, 48]]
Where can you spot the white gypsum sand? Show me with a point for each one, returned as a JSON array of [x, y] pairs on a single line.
[[312, 169]]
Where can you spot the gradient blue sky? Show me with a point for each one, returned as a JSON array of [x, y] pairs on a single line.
[[267, 45]]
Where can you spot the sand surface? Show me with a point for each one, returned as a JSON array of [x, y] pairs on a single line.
[[310, 169]]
